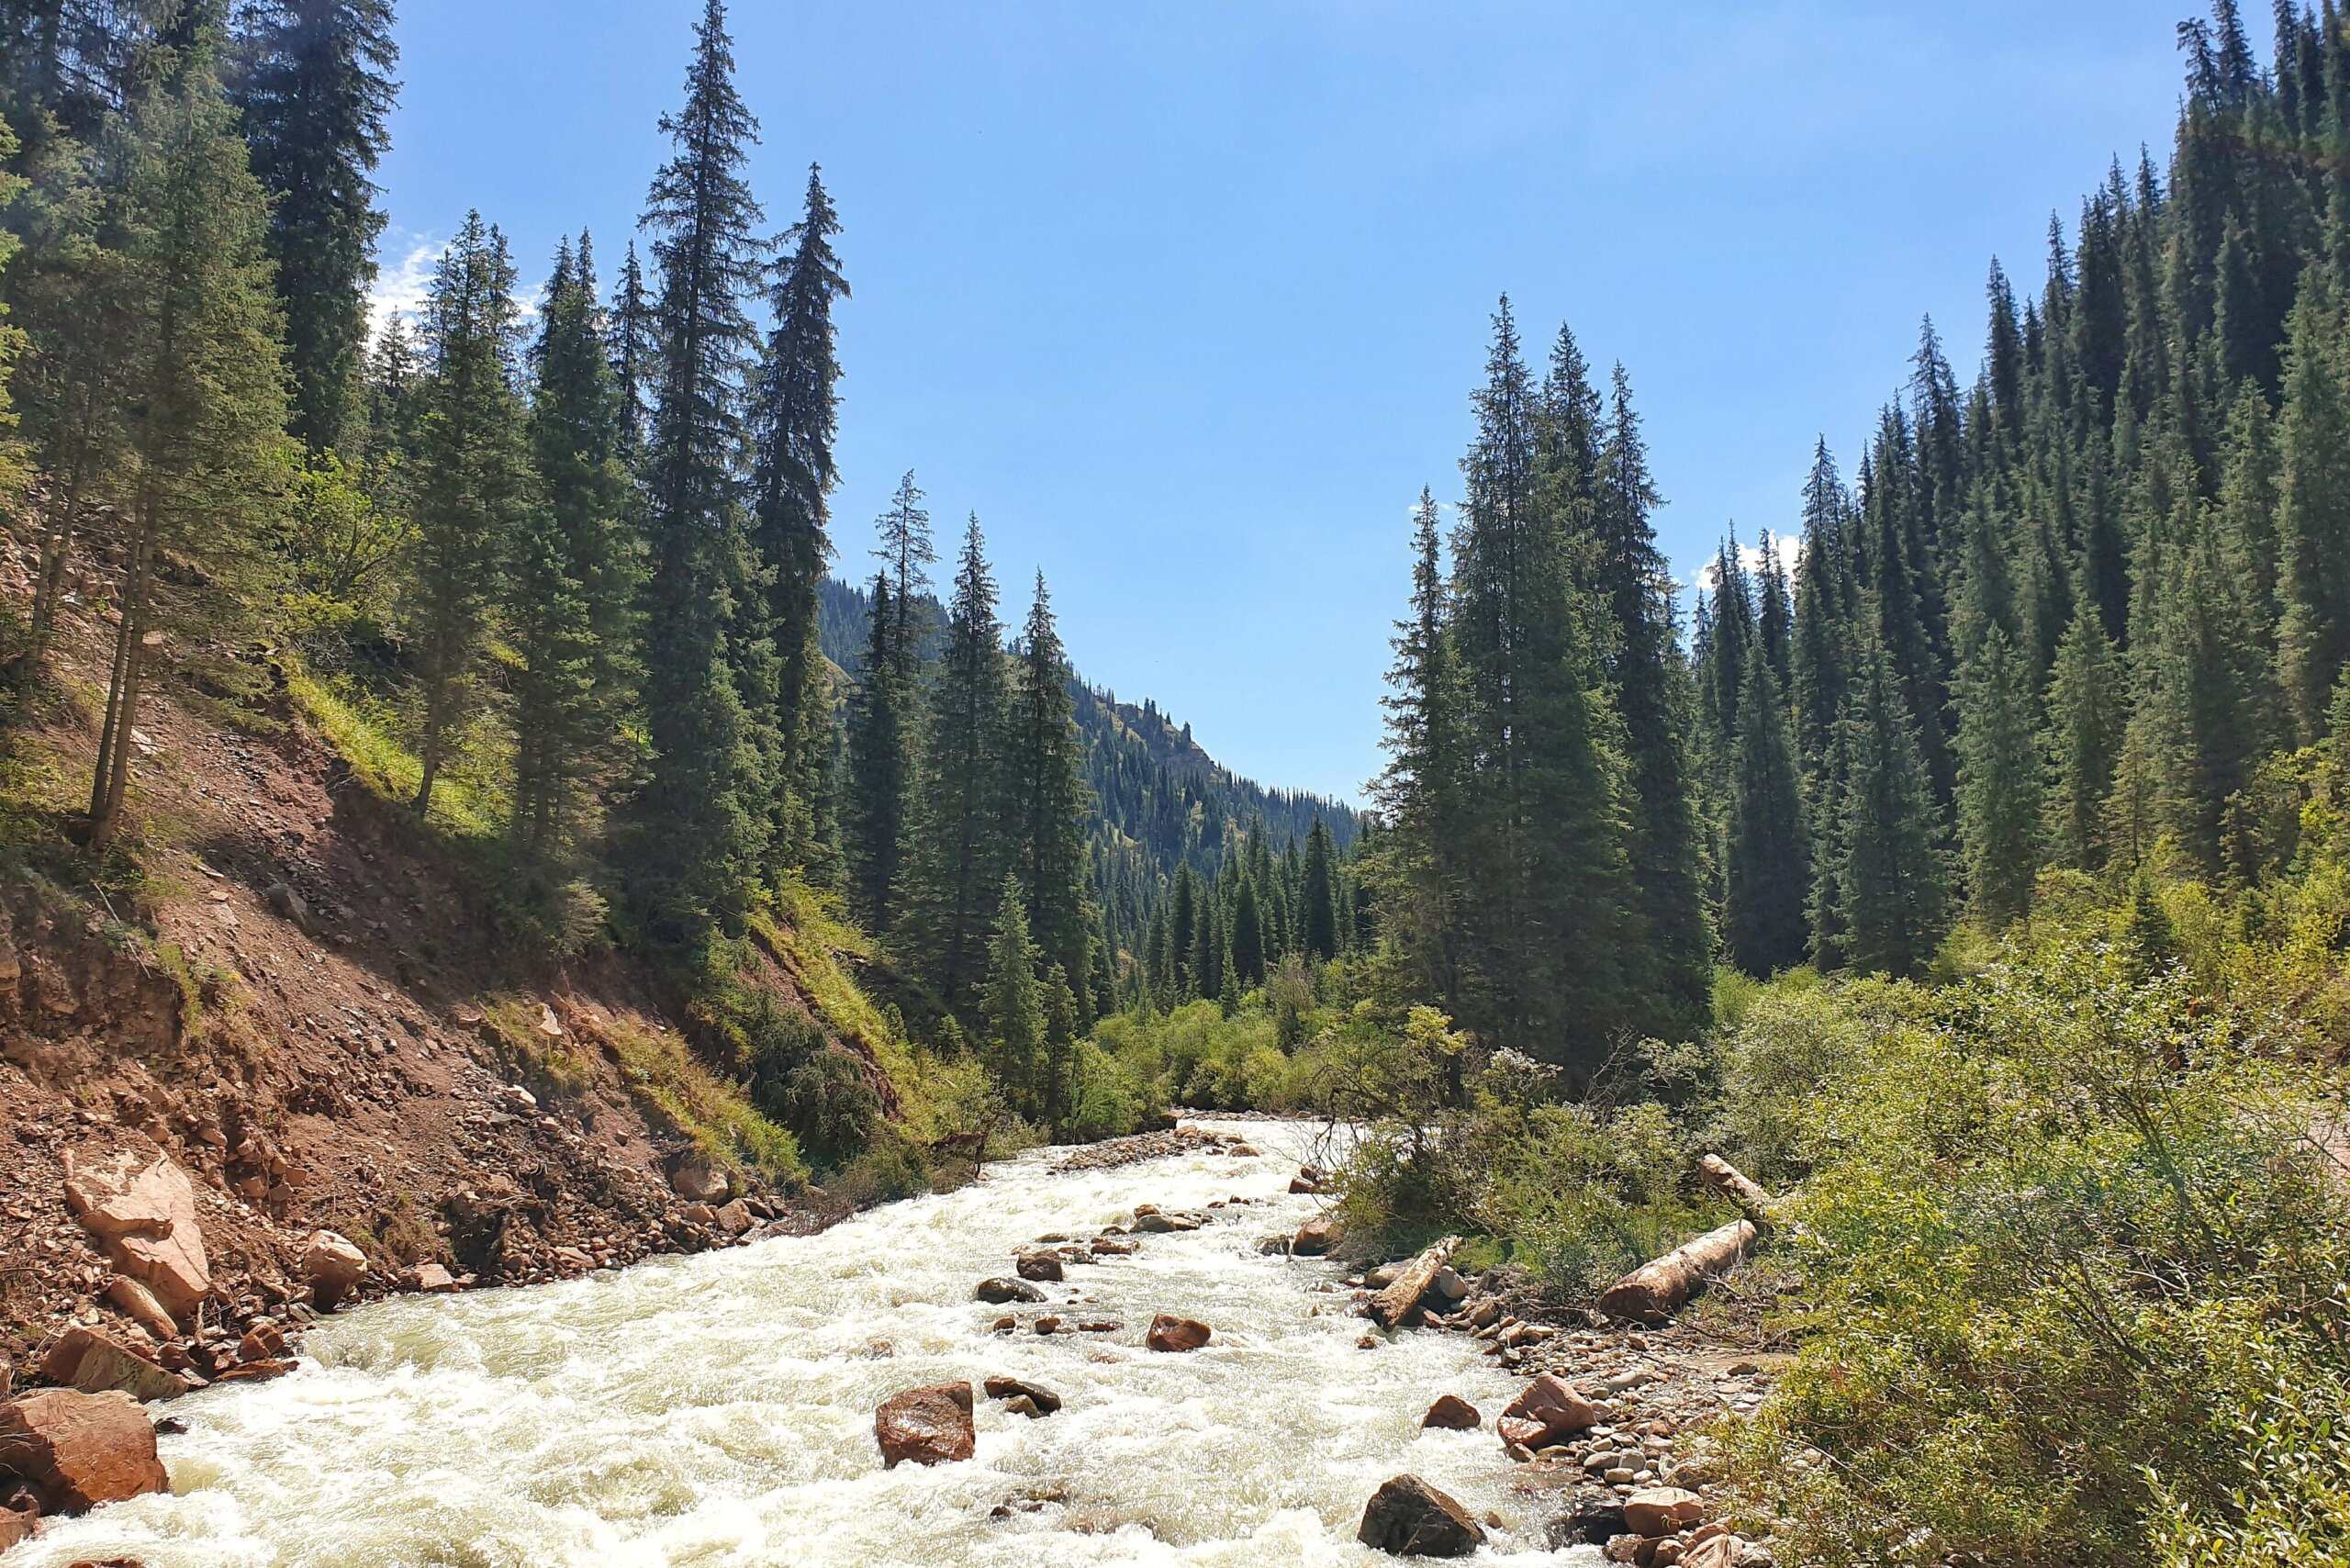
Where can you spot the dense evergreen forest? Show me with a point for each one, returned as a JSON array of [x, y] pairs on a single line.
[[1155, 800]]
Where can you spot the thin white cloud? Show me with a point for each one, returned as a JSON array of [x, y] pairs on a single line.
[[400, 286], [1786, 549]]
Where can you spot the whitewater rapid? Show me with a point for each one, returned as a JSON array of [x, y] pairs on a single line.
[[718, 1410]]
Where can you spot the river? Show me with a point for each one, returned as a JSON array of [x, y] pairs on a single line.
[[718, 1410]]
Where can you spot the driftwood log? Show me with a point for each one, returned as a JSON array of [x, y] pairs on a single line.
[[1734, 1184], [1654, 1291], [1395, 1305]]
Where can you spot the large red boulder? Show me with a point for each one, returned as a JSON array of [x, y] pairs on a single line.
[[1453, 1413], [79, 1450], [1171, 1333], [145, 1217], [1408, 1518], [1549, 1411], [91, 1361], [928, 1425]]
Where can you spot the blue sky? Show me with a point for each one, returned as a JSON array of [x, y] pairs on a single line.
[[1186, 299]]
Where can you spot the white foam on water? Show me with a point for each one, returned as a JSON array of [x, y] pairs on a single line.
[[717, 1411]]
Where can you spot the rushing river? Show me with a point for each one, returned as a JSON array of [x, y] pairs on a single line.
[[718, 1410]]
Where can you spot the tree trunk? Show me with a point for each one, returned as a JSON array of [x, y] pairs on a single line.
[[1392, 1306], [110, 779], [1654, 1291], [1752, 1200]]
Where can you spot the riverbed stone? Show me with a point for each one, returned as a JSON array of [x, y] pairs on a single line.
[[1408, 1518], [1008, 1388], [1038, 1266], [996, 1292], [928, 1425], [1660, 1510], [79, 1450], [1315, 1237], [1452, 1413], [1171, 1333], [1549, 1410]]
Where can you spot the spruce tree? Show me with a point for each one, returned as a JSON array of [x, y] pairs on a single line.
[[1047, 795], [2313, 517], [1543, 822], [204, 389], [793, 419], [958, 858], [1766, 865], [634, 349], [2087, 711], [314, 89], [1318, 932], [1247, 937], [1891, 882], [475, 487], [574, 575], [1417, 793], [1673, 990], [880, 767], [695, 826], [2000, 784], [1011, 1009]]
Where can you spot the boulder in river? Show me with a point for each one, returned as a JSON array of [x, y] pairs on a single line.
[[1171, 1333], [995, 1292], [1408, 1518], [928, 1425], [1038, 1266], [1548, 1411], [79, 1450], [1452, 1413], [1315, 1237], [333, 1265], [1044, 1400]]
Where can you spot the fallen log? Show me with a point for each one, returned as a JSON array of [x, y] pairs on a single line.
[[1654, 1291], [1394, 1306], [1739, 1188]]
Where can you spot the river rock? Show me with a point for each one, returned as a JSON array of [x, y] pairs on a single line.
[[1315, 1237], [264, 1341], [16, 1525], [1408, 1518], [1592, 1521], [1547, 1411], [995, 1292], [79, 1450], [145, 1217], [91, 1361], [1044, 1399], [1037, 1266], [430, 1278], [333, 1266], [928, 1425], [1722, 1552], [1660, 1510], [1171, 1333], [1452, 1413]]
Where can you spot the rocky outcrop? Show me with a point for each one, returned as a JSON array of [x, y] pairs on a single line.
[[145, 1219], [1177, 1334], [1408, 1518], [1452, 1413], [928, 1425], [1548, 1411], [79, 1450]]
